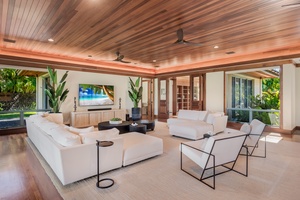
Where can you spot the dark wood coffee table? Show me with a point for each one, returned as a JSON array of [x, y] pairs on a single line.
[[141, 128], [123, 127], [150, 124]]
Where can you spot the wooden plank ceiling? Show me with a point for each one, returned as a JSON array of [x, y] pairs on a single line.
[[88, 33]]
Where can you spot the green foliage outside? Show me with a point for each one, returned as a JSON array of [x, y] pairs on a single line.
[[15, 115], [270, 99], [17, 92]]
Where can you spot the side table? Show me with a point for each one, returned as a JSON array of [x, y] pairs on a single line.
[[103, 144], [141, 128]]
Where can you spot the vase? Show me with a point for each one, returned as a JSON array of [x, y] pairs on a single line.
[[136, 114]]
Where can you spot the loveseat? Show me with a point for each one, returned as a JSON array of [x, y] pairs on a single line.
[[71, 153], [192, 124]]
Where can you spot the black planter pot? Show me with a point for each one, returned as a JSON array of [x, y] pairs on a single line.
[[136, 114]]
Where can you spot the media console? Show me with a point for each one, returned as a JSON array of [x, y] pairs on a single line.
[[92, 118]]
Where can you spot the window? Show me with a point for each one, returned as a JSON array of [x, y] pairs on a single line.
[[242, 89]]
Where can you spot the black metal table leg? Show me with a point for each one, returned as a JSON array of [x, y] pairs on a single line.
[[103, 144]]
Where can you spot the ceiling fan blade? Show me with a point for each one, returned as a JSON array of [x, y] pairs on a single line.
[[292, 5], [180, 39], [124, 61], [180, 34], [192, 44]]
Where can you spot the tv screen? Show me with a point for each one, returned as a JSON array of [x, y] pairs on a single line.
[[95, 95]]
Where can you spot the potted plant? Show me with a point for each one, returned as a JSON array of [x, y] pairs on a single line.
[[115, 120], [56, 91], [135, 95]]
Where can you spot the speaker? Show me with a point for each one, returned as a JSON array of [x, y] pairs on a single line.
[[95, 109]]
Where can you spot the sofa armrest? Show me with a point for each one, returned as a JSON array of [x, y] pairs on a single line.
[[220, 123]]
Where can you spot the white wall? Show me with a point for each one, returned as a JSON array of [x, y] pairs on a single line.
[[297, 100], [215, 91], [156, 96], [74, 78], [289, 95]]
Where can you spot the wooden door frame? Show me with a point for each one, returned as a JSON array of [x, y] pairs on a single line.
[[150, 100], [167, 97]]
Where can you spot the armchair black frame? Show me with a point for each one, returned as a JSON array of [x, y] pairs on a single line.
[[214, 166]]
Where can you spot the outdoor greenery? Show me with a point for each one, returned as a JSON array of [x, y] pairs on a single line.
[[269, 100], [56, 91], [16, 92], [15, 115]]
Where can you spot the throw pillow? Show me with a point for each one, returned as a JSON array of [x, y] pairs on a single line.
[[246, 128], [48, 127], [81, 130], [210, 117], [64, 137]]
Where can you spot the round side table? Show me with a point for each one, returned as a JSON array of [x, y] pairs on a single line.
[[103, 144]]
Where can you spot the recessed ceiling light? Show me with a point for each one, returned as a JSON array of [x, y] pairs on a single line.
[[216, 47], [154, 60], [50, 40]]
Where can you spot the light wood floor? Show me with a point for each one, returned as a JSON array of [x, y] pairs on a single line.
[[22, 176]]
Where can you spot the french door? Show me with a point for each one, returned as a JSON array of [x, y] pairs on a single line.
[[163, 99]]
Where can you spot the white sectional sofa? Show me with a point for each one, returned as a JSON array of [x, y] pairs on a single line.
[[188, 115], [71, 152], [193, 124]]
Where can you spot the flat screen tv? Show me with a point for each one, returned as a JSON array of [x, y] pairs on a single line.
[[95, 95]]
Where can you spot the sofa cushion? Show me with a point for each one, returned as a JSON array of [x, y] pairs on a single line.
[[81, 130], [37, 119], [55, 117], [91, 137], [49, 126], [64, 137], [202, 115], [188, 114], [211, 116]]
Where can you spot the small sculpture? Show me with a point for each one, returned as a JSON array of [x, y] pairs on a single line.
[[75, 104]]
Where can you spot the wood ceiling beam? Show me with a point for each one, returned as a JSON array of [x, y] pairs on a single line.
[[228, 67]]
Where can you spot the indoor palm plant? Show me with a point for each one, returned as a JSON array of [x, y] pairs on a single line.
[[135, 94], [56, 91]]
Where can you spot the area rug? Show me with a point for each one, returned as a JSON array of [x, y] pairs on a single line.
[[274, 177]]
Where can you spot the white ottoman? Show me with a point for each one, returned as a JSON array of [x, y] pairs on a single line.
[[139, 147]]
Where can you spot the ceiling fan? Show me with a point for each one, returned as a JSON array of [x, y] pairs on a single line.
[[180, 39], [292, 5], [120, 58]]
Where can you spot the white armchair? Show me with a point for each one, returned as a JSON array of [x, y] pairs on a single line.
[[254, 131], [221, 150]]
